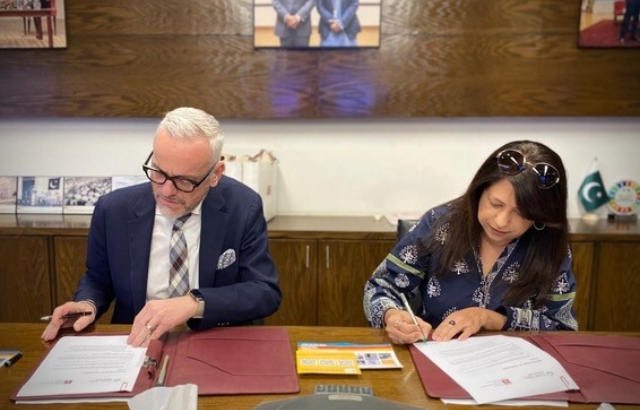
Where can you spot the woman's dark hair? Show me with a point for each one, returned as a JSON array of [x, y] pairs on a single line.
[[547, 248]]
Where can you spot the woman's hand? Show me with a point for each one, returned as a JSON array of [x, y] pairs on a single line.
[[400, 327], [467, 322]]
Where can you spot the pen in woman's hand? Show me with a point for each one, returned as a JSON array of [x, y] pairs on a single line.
[[68, 315], [407, 306]]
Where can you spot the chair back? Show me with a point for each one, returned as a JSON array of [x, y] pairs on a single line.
[[403, 227]]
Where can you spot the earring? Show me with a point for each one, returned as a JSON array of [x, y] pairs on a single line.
[[539, 228]]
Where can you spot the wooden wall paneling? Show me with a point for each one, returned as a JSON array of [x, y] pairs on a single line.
[[437, 58]]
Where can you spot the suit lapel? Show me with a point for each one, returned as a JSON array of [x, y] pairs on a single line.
[[140, 230], [212, 230]]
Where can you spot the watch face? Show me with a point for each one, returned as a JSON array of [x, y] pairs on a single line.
[[196, 294], [625, 197]]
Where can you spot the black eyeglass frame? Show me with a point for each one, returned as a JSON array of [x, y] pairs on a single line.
[[194, 184], [540, 168]]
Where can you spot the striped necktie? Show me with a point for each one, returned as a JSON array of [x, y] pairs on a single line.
[[179, 259]]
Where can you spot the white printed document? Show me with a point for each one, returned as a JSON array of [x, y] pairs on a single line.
[[86, 364], [497, 368]]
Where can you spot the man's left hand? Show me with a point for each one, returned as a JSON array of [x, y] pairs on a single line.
[[159, 316]]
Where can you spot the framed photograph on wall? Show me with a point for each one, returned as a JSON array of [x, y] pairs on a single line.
[[300, 24], [32, 24], [40, 195], [8, 195], [82, 193], [609, 24]]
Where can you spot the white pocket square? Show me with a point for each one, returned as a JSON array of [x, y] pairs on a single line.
[[226, 259]]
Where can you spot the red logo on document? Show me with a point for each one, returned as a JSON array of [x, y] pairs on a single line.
[[506, 381]]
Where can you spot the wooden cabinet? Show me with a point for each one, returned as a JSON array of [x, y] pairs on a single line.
[[342, 275], [70, 255], [322, 281], [323, 264], [583, 270], [296, 261], [616, 304], [25, 293]]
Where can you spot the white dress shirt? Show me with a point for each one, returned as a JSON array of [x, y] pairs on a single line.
[[159, 265]]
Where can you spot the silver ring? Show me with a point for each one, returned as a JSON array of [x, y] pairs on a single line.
[[452, 322], [150, 328]]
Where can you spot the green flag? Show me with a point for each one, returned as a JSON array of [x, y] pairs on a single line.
[[592, 193]]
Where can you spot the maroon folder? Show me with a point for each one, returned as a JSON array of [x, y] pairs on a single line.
[[230, 360], [606, 368]]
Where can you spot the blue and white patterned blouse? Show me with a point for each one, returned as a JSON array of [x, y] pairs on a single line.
[[435, 297]]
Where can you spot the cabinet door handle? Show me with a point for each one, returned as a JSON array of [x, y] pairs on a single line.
[[326, 252], [306, 256]]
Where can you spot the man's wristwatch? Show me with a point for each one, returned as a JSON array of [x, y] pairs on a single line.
[[197, 296]]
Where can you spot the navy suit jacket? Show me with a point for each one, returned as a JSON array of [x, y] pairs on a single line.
[[350, 22], [119, 243]]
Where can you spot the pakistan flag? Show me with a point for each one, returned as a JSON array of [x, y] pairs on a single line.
[[592, 193]]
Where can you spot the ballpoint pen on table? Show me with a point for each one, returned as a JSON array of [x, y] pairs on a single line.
[[9, 357], [69, 315], [407, 306], [163, 371]]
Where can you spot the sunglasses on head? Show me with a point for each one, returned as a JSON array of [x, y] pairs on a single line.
[[512, 162]]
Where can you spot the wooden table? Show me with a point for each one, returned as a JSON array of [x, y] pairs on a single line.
[[402, 385]]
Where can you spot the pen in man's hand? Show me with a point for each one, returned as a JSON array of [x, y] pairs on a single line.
[[69, 315], [407, 306]]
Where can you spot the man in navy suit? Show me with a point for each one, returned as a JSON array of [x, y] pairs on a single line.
[[630, 21], [231, 276], [339, 25], [293, 24]]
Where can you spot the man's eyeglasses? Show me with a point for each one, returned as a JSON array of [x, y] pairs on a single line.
[[512, 162], [181, 183]]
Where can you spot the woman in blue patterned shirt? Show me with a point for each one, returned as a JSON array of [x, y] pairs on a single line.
[[496, 258]]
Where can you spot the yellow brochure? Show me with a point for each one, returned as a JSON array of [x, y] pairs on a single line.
[[369, 355], [326, 362]]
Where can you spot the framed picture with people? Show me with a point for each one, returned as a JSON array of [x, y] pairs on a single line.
[[609, 24], [32, 24], [301, 24]]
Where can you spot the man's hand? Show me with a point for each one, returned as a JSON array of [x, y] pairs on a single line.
[[159, 316], [57, 322], [335, 26], [292, 21]]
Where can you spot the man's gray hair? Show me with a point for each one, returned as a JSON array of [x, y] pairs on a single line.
[[190, 123]]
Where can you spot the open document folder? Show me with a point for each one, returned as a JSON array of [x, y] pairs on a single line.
[[233, 360], [605, 368]]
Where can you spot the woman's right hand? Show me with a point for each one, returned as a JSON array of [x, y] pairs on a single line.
[[400, 327]]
